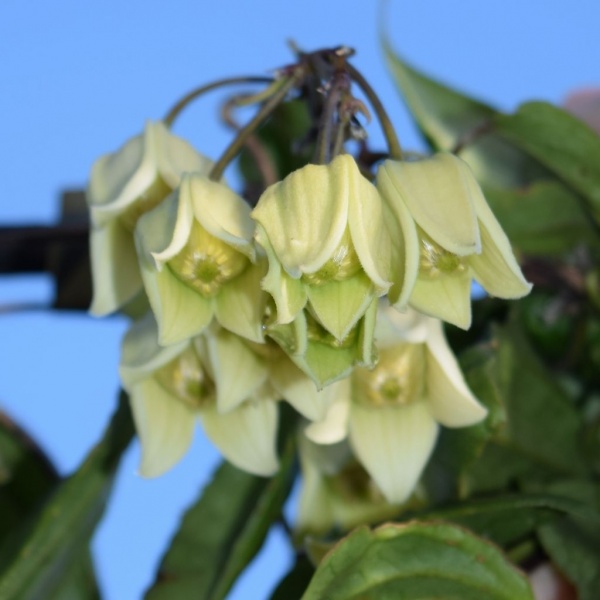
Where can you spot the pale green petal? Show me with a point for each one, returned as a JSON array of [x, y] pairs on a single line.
[[118, 179], [368, 230], [439, 196], [180, 311], [404, 257], [222, 213], [445, 297], [306, 214], [340, 304], [496, 268], [394, 445], [246, 436], [175, 156], [165, 230], [237, 371], [451, 402], [334, 427], [289, 294], [164, 425], [393, 327], [141, 353], [367, 356], [299, 390], [241, 303], [115, 269]]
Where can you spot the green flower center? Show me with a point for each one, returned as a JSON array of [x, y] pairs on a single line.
[[185, 378], [206, 263], [343, 264], [151, 197], [317, 333], [435, 260], [398, 379]]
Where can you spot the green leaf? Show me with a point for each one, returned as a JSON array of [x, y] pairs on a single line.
[[222, 532], [416, 561], [506, 520], [542, 437], [449, 119], [59, 533], [573, 543], [562, 143], [545, 219]]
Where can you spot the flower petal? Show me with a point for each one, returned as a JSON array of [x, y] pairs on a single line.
[[496, 268], [306, 214], [240, 305], [237, 371], [289, 294], [181, 312], [393, 444], [299, 390], [447, 298], [114, 268], [222, 213], [333, 428], [164, 425], [368, 229], [141, 353], [439, 196], [451, 402], [246, 435], [340, 304]]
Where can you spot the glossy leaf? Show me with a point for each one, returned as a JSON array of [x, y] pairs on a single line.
[[562, 143], [450, 120], [545, 219], [59, 533], [221, 533], [416, 561]]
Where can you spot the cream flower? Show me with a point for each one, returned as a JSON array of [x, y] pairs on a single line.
[[171, 387], [450, 236], [198, 261], [324, 232], [391, 413], [123, 186]]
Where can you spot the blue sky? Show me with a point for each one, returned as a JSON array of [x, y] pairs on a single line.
[[79, 78]]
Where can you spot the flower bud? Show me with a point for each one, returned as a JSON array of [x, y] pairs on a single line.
[[123, 186], [450, 237]]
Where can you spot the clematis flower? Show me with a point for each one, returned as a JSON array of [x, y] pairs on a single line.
[[336, 492], [198, 261], [449, 237], [324, 233], [123, 186], [391, 414], [171, 387], [318, 353]]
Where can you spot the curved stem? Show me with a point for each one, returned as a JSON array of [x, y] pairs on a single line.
[[238, 143], [174, 112], [384, 120]]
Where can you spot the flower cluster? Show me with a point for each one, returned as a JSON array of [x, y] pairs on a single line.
[[287, 301]]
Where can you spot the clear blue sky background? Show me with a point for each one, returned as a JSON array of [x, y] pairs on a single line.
[[78, 78]]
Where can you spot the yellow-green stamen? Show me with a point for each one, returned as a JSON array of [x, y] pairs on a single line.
[[206, 263], [435, 260]]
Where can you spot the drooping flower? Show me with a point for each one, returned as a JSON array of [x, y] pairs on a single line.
[[198, 261], [123, 186], [170, 387], [450, 237], [324, 233], [391, 414], [336, 492]]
